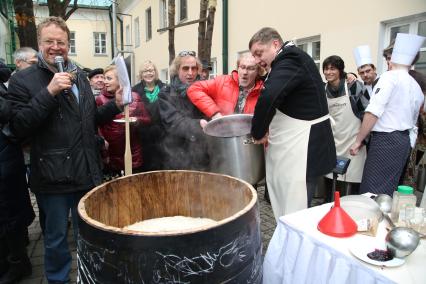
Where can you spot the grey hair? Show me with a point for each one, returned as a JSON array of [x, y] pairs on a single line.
[[174, 67], [24, 53]]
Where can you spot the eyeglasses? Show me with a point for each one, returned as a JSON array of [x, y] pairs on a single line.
[[187, 53], [148, 71], [59, 43], [248, 68]]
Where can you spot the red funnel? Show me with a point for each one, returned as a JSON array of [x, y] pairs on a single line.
[[337, 222]]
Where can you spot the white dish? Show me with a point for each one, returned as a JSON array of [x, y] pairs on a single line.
[[361, 251], [360, 207], [122, 120]]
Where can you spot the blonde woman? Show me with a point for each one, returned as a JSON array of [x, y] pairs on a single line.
[[151, 134]]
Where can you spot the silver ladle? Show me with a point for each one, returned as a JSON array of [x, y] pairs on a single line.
[[385, 204]]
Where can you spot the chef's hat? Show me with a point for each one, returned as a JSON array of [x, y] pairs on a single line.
[[362, 55], [406, 48]]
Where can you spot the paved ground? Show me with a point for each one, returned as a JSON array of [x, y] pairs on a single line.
[[35, 248]]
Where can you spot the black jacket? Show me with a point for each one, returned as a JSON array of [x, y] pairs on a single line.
[[294, 87], [151, 134], [16, 211], [64, 154], [185, 144]]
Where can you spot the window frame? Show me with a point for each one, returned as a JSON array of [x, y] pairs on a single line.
[[309, 41], [163, 16], [98, 36], [72, 47], [413, 23], [180, 16], [137, 32], [148, 24]]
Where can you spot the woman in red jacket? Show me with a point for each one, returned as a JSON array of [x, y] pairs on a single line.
[[114, 131], [228, 94]]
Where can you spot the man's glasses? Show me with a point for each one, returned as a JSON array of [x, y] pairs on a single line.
[[187, 53], [248, 68], [59, 43]]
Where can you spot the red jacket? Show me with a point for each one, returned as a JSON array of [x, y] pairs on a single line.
[[114, 133], [221, 95]]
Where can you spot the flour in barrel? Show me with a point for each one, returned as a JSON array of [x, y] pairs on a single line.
[[168, 224]]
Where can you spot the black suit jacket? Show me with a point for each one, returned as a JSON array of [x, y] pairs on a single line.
[[295, 87]]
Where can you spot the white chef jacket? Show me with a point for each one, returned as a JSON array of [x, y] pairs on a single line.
[[396, 101]]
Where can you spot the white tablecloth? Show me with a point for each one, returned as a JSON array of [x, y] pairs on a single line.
[[299, 253]]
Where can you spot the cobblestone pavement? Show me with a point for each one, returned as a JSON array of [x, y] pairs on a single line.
[[36, 253]]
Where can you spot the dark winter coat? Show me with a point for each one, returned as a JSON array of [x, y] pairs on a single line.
[[185, 143], [152, 134], [294, 87], [15, 206], [64, 154]]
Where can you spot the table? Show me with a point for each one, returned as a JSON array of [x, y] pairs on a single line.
[[299, 253]]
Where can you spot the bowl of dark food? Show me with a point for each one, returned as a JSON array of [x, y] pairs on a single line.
[[401, 241]]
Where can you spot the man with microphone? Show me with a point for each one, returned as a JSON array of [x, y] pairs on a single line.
[[54, 108]]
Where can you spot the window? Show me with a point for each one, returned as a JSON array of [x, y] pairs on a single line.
[[100, 43], [213, 72], [137, 37], [72, 43], [163, 14], [148, 24], [311, 46], [183, 10], [415, 24], [128, 36], [164, 75]]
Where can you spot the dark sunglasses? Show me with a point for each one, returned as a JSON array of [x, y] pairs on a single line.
[[187, 53]]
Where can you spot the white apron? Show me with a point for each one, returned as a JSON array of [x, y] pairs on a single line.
[[286, 159], [345, 126]]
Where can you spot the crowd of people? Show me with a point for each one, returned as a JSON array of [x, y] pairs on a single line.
[[71, 123]]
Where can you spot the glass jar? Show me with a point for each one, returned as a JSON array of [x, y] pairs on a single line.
[[402, 198]]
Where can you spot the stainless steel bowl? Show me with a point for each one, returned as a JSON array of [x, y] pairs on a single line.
[[401, 241], [385, 202]]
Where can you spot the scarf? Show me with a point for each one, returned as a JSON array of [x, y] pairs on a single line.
[[180, 87], [152, 96], [333, 92]]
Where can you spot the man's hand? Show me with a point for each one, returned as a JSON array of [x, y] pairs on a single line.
[[203, 123], [355, 148], [217, 115], [350, 78], [60, 81], [262, 140]]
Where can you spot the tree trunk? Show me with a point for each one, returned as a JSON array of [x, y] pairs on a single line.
[[59, 8], [171, 18], [24, 14], [202, 29], [209, 33]]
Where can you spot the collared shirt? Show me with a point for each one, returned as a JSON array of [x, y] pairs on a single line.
[[396, 101]]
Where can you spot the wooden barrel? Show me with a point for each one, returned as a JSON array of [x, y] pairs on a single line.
[[227, 252]]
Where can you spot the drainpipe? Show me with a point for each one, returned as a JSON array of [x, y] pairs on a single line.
[[225, 37]]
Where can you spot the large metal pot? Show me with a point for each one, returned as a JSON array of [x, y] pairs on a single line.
[[231, 148]]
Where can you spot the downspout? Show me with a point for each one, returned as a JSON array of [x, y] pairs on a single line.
[[112, 32], [225, 37]]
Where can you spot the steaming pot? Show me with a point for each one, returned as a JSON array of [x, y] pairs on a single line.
[[232, 150]]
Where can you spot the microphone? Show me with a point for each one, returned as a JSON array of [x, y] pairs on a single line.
[[59, 61]]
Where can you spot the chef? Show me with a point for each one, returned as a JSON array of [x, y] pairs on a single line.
[[293, 108], [346, 120], [366, 70], [391, 118]]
